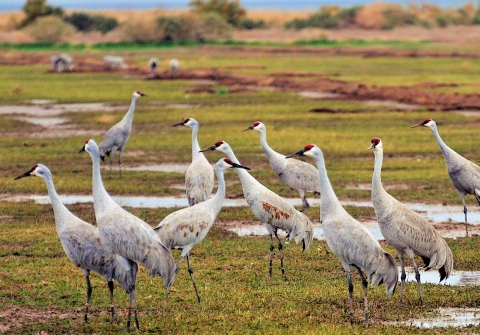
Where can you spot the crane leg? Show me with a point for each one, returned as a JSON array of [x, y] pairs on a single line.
[[466, 223], [132, 303], [110, 288], [177, 268], [190, 270], [89, 295], [365, 291], [271, 254], [402, 277], [305, 204], [280, 250], [350, 292], [120, 163], [417, 277]]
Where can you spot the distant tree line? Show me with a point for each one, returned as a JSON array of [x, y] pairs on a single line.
[[382, 15]]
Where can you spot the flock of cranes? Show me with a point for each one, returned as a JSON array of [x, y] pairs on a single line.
[[120, 241]]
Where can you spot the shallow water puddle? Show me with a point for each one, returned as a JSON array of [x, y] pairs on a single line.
[[457, 278], [44, 110], [447, 317]]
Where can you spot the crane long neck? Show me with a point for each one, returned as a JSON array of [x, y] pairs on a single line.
[[59, 210], [245, 178], [219, 197], [101, 199], [195, 145], [445, 148], [128, 118], [271, 154], [328, 201], [377, 187]]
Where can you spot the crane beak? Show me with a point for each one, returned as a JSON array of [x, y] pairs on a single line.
[[179, 124], [418, 125], [372, 146], [26, 174], [82, 150], [208, 149], [143, 95], [248, 128], [238, 166], [298, 153]]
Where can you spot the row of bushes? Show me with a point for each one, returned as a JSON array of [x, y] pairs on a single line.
[[387, 16]]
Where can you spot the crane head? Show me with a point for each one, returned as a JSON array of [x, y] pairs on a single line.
[[425, 123], [29, 173], [376, 143], [306, 151], [216, 146], [227, 163], [257, 125], [138, 94], [90, 147], [189, 122]]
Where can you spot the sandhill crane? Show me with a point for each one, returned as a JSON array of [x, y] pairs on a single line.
[[174, 65], [82, 244], [199, 176], [61, 61], [465, 175], [299, 176], [117, 136], [187, 227], [349, 239], [153, 63], [274, 211], [408, 232], [124, 233], [114, 62]]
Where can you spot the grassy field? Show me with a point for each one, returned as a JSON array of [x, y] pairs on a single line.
[[41, 290]]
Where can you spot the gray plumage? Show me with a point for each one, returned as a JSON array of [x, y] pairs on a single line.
[[274, 211], [174, 65], [61, 61], [82, 243], [199, 176], [350, 240], [117, 136], [408, 232], [464, 174], [123, 232], [299, 176], [114, 62], [187, 227], [153, 64]]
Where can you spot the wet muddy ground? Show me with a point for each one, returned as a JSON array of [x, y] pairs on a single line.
[[287, 81]]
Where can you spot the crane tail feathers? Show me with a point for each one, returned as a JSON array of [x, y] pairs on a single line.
[[386, 272]]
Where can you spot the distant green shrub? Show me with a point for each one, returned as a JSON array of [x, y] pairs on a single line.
[[50, 29], [322, 19], [86, 22], [140, 32], [230, 10], [212, 26], [248, 24], [175, 29], [34, 9]]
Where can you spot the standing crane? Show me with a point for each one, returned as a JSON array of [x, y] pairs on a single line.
[[464, 174], [408, 232], [349, 239], [199, 176], [117, 136], [82, 244], [274, 211], [124, 233], [187, 227], [174, 65], [297, 175], [153, 64]]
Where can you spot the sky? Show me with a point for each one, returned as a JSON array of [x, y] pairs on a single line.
[[7, 5]]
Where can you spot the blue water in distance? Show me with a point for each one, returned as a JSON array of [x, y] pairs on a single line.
[[8, 5]]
